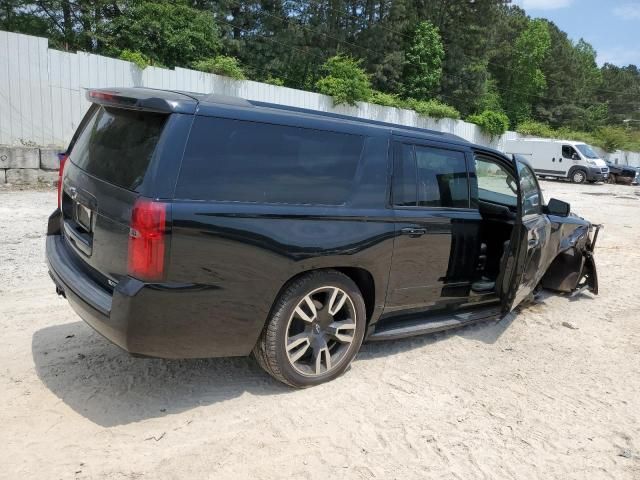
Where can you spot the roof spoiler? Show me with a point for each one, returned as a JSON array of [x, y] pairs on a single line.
[[143, 99]]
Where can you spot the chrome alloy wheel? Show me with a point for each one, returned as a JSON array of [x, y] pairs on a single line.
[[320, 331]]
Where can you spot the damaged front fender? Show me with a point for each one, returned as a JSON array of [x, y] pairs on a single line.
[[574, 269]]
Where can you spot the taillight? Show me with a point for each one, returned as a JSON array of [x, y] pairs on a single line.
[[147, 240], [63, 159]]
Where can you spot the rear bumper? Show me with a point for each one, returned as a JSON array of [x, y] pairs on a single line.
[[153, 320], [90, 300]]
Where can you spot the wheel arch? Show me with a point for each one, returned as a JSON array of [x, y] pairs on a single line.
[[360, 276], [574, 168]]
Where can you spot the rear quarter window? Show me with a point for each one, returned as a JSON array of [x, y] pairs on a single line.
[[243, 161], [117, 145]]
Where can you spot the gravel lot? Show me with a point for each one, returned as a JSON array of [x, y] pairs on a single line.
[[550, 392]]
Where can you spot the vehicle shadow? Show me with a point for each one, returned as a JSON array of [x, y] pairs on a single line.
[[109, 387]]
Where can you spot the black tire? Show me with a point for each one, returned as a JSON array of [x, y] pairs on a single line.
[[612, 179], [578, 176], [271, 352]]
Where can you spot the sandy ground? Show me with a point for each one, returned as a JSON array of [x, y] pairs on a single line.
[[526, 397]]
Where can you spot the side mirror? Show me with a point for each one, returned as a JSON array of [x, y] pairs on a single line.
[[575, 156], [558, 208]]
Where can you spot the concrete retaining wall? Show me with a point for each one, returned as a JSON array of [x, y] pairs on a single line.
[[28, 166]]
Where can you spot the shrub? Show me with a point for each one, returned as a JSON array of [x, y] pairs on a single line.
[[612, 138], [432, 108], [278, 82], [491, 122], [386, 99], [138, 58], [535, 129], [345, 81], [221, 65]]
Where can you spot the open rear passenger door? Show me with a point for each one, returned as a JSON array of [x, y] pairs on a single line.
[[521, 265]]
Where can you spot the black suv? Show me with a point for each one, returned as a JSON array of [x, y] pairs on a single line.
[[199, 226]]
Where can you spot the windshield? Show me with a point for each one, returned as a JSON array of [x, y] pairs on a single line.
[[586, 150]]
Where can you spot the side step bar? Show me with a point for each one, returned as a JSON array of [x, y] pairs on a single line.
[[421, 326]]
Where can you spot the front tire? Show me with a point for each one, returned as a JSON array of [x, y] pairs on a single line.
[[579, 176], [314, 331]]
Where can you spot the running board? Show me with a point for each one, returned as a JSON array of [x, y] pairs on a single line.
[[410, 328]]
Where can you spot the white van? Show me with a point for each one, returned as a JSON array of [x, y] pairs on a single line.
[[576, 161]]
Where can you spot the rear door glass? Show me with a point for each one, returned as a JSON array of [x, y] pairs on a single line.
[[430, 177], [117, 145], [242, 161]]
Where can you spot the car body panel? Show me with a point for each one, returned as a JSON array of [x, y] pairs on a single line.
[[229, 261]]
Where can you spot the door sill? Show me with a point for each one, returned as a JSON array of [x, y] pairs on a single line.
[[434, 323]]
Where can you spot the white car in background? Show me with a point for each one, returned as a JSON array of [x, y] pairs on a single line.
[[562, 159]]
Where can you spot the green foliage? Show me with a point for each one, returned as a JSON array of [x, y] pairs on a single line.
[[572, 77], [423, 62], [432, 108], [488, 54], [527, 80], [278, 82], [139, 59], [535, 129], [345, 80], [490, 98], [386, 99], [491, 122], [612, 138], [172, 34], [221, 65]]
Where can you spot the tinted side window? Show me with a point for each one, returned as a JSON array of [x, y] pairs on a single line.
[[442, 178], [531, 196], [404, 176], [234, 160], [430, 177]]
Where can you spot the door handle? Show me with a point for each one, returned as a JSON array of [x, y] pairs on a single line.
[[413, 231]]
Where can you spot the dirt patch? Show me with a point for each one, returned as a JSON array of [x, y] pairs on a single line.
[[526, 397]]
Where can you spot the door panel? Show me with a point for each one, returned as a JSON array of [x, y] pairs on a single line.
[[436, 267], [534, 236], [436, 241], [528, 247]]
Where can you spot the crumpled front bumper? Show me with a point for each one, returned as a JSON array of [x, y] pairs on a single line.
[[574, 269]]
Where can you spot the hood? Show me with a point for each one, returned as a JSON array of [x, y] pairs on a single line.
[[599, 162]]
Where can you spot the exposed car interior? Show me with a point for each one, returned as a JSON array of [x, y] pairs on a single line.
[[497, 203]]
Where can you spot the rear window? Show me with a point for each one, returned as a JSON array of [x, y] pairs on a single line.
[[235, 160], [116, 145]]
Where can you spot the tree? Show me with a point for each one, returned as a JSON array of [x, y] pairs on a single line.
[[495, 56], [423, 62], [345, 80], [169, 34], [572, 78], [527, 80], [621, 92]]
